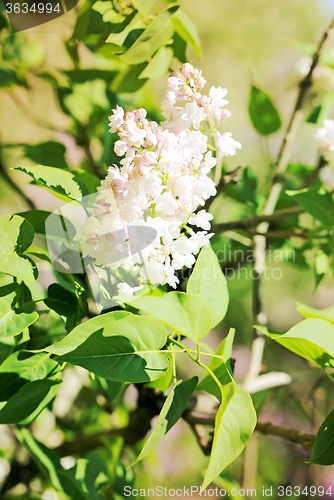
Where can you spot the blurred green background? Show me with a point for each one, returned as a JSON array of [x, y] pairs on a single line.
[[244, 42]]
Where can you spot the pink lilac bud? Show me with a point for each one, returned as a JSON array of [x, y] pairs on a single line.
[[186, 70], [200, 82], [140, 113], [170, 96]]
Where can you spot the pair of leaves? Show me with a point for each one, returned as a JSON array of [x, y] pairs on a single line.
[[13, 319], [16, 235], [117, 346]]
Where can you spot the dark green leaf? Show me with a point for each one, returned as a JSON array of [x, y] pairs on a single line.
[[179, 47], [187, 31], [317, 202], [84, 75], [49, 153], [26, 401], [22, 367], [323, 449], [263, 113], [64, 303], [314, 115], [220, 368]]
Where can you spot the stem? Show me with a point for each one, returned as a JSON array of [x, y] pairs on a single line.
[[331, 378]]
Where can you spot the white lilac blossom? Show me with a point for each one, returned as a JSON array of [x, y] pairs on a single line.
[[162, 181]]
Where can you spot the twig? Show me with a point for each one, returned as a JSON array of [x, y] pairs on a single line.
[[250, 222], [293, 435], [259, 316], [228, 178]]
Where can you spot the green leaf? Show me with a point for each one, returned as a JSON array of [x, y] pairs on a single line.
[[172, 410], [159, 65], [88, 179], [154, 37], [84, 75], [162, 383], [263, 113], [88, 476], [187, 314], [187, 31], [235, 423], [64, 303], [128, 81], [125, 351], [317, 202], [83, 331], [36, 218], [22, 367], [13, 320], [16, 235], [313, 339], [220, 367], [49, 153], [311, 312], [208, 281], [179, 47], [62, 182], [323, 449], [134, 20], [82, 20], [314, 115], [26, 401], [144, 6]]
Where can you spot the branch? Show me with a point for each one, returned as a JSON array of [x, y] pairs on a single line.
[[259, 316], [228, 178], [251, 222], [292, 435]]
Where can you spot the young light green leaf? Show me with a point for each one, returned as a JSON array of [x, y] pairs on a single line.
[[323, 449], [83, 331], [26, 401], [154, 37], [127, 350], [22, 367], [144, 6], [16, 235], [13, 320], [317, 202], [313, 339], [311, 312], [172, 410], [186, 29], [185, 313], [220, 368], [159, 65], [208, 281], [263, 113], [62, 182], [235, 423]]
